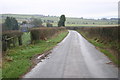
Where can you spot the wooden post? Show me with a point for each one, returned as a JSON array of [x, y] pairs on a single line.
[[8, 44], [14, 41], [4, 45], [20, 40]]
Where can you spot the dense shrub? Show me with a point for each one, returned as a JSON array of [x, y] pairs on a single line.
[[106, 33], [44, 33]]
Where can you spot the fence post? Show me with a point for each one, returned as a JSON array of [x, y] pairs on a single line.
[[20, 40], [14, 42], [4, 45]]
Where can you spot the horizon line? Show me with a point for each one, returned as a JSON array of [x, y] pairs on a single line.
[[57, 16]]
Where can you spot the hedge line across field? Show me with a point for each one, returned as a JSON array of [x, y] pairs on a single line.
[[11, 38]]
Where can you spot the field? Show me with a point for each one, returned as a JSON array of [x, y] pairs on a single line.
[[69, 21]]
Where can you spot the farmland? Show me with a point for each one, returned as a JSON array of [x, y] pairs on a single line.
[[55, 19]]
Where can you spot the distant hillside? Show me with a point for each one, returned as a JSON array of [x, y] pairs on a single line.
[[69, 21]]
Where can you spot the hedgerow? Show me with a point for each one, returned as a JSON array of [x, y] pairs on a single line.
[[44, 33]]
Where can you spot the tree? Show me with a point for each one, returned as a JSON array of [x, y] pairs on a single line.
[[62, 21], [59, 24], [7, 24], [14, 24], [10, 24], [37, 22]]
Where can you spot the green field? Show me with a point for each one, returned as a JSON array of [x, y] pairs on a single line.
[[69, 21]]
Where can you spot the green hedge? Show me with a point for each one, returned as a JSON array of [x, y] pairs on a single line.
[[106, 33], [12, 38], [44, 33]]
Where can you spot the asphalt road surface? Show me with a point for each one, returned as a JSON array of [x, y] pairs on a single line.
[[74, 57]]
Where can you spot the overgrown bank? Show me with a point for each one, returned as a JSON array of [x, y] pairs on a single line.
[[105, 39], [17, 61]]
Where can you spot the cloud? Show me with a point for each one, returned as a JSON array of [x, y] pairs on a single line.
[[76, 8]]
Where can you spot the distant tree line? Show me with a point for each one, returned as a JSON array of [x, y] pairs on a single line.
[[12, 24], [48, 21]]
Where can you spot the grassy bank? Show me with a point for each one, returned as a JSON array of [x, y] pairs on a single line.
[[17, 61], [0, 73], [105, 48]]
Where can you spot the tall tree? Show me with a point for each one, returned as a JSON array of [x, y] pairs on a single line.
[[62, 21], [15, 24], [10, 24]]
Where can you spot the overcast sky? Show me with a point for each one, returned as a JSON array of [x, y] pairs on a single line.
[[71, 8]]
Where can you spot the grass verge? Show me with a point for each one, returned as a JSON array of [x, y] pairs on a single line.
[[17, 61], [0, 73], [103, 48]]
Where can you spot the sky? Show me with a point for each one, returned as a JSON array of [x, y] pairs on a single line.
[[70, 8]]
